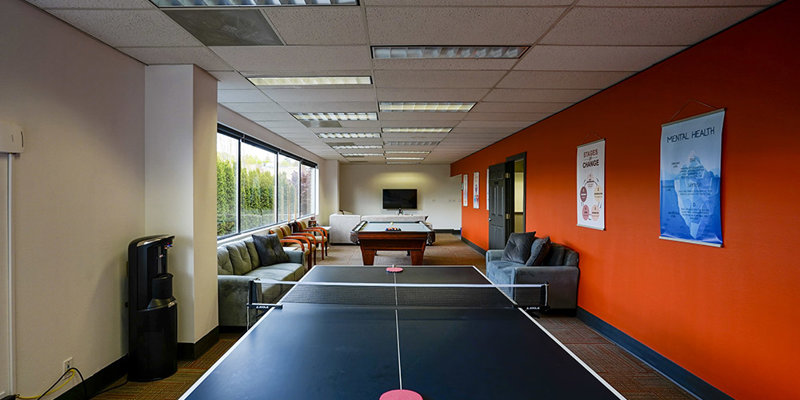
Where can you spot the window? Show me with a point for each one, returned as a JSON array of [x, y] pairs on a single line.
[[227, 182], [259, 185], [308, 187], [288, 188]]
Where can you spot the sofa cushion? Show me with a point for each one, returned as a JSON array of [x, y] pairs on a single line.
[[518, 248], [240, 258], [224, 266], [297, 270], [269, 249], [269, 273], [561, 255], [251, 248], [539, 250]]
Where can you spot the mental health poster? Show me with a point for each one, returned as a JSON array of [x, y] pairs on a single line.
[[691, 152], [591, 185]]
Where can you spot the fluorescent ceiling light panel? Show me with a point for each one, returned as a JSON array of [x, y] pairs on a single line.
[[363, 155], [411, 143], [400, 162], [407, 152], [250, 3], [406, 52], [310, 80], [425, 107], [356, 146], [405, 158], [416, 130], [336, 116], [349, 135]]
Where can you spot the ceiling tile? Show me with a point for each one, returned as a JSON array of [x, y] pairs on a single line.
[[128, 28], [314, 106], [494, 124], [397, 94], [539, 95], [478, 26], [562, 79], [256, 60], [231, 80], [476, 116], [200, 56], [361, 124], [318, 25], [321, 95], [594, 58], [436, 79], [283, 124], [115, 4], [273, 116], [643, 26], [240, 96], [421, 123], [519, 107], [265, 106]]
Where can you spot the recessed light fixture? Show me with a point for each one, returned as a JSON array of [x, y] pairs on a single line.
[[410, 143], [405, 158], [349, 135], [336, 116], [425, 107], [310, 80], [407, 152], [250, 3], [356, 146], [416, 130], [401, 52], [363, 155], [400, 162]]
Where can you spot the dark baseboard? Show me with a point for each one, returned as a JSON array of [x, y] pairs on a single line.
[[191, 351], [474, 246], [98, 381], [672, 371], [452, 231]]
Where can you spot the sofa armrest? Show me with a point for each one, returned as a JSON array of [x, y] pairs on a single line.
[[493, 255], [233, 295], [563, 289], [296, 256]]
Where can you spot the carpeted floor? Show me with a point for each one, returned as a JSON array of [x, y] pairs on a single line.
[[631, 377]]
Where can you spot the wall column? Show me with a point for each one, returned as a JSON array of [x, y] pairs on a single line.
[[180, 186]]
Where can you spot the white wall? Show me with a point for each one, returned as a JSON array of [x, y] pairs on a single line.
[[180, 187], [78, 191], [438, 195], [329, 190]]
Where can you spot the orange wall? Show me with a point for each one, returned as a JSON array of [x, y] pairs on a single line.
[[729, 315]]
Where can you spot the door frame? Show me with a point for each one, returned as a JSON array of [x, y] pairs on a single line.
[[524, 158]]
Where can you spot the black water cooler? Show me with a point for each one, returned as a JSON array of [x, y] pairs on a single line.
[[152, 311]]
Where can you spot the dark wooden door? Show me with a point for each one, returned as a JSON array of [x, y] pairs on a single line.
[[499, 207]]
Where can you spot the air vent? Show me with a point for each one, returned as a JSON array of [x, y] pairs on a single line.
[[411, 143], [227, 27]]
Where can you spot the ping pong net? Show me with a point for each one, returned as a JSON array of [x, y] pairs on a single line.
[[533, 297]]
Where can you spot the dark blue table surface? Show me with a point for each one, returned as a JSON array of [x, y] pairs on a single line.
[[334, 351]]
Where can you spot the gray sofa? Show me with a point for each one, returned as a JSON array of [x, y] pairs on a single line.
[[238, 264], [559, 268]]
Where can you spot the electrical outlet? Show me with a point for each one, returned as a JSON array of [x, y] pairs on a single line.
[[68, 364]]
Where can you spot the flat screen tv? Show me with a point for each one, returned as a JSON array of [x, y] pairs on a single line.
[[400, 198]]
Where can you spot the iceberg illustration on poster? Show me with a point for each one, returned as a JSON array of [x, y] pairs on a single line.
[[690, 179]]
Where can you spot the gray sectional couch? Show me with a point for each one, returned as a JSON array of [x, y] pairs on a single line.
[[238, 263], [558, 267]]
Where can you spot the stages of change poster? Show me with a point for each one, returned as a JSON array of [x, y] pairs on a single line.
[[691, 151], [591, 185]]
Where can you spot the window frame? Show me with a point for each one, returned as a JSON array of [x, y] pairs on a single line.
[[244, 138]]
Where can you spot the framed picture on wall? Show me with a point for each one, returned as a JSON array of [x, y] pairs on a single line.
[[476, 189], [464, 189]]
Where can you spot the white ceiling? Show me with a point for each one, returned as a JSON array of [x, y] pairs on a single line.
[[578, 47]]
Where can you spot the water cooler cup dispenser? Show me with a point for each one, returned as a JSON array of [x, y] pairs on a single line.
[[152, 311]]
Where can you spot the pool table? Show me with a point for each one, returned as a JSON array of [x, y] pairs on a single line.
[[374, 236]]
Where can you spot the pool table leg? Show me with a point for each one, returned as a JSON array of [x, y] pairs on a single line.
[[416, 257], [368, 256]]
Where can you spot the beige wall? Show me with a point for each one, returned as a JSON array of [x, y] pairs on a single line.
[[438, 194], [78, 191]]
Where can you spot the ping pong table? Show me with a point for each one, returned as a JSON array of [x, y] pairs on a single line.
[[322, 342]]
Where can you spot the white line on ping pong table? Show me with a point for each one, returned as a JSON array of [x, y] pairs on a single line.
[[397, 330]]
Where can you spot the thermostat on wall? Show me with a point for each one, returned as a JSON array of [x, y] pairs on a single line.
[[10, 138]]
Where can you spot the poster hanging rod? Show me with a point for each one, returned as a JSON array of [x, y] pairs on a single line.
[[686, 104]]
